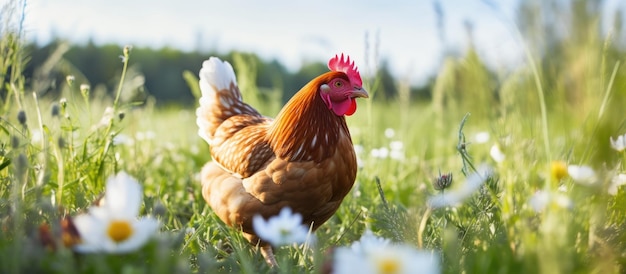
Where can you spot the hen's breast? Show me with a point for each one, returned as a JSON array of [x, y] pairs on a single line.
[[313, 189]]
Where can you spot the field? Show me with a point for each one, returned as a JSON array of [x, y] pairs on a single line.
[[534, 128]]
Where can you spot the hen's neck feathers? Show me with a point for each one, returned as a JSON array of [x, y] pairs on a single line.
[[305, 129]]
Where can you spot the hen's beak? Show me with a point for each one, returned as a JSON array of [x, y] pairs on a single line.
[[359, 92]]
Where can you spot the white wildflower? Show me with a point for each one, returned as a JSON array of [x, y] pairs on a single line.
[[359, 162], [481, 137], [114, 227], [283, 229], [85, 88], [397, 150], [616, 182], [106, 117], [581, 174], [368, 242], [70, 79], [381, 153], [385, 259], [123, 139], [541, 199], [496, 153], [36, 136], [396, 145], [619, 144], [390, 133], [148, 135], [358, 149]]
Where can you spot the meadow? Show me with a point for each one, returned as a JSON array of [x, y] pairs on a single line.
[[534, 127]]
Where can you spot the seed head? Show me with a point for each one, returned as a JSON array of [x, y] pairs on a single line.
[[159, 209], [15, 142], [127, 50], [21, 164], [21, 117], [61, 142], [443, 181], [55, 110], [84, 90], [70, 80]]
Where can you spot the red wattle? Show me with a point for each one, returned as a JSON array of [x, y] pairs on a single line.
[[352, 108]]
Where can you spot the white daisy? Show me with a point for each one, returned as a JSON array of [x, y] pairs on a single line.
[[389, 133], [541, 199], [36, 136], [496, 153], [358, 149], [106, 117], [396, 145], [114, 227], [123, 139], [581, 174], [385, 259], [397, 150], [148, 135], [368, 242], [455, 196], [616, 182], [283, 229], [481, 137], [381, 153], [620, 143]]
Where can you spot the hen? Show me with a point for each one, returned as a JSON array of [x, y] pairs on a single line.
[[303, 159]]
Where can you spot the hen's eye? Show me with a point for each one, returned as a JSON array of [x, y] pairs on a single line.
[[338, 84]]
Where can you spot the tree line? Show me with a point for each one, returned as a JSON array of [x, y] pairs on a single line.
[[159, 72]]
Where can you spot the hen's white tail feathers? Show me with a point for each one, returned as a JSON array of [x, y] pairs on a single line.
[[220, 99], [216, 75]]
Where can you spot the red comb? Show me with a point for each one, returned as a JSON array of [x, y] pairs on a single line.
[[344, 65]]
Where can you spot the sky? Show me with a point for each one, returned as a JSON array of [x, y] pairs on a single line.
[[404, 33]]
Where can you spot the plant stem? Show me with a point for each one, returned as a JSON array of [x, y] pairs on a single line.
[[125, 58], [422, 227]]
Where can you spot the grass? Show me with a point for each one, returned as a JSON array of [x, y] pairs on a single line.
[[54, 163]]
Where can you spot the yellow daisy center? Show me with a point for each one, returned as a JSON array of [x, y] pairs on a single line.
[[388, 266], [119, 230], [558, 170]]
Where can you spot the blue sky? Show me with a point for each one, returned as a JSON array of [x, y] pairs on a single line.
[[290, 31]]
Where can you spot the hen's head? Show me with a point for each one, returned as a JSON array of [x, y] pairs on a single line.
[[344, 86]]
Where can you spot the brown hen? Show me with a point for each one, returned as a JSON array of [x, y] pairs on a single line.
[[303, 159]]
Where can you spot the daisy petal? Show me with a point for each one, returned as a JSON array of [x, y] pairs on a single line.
[[348, 261], [123, 195], [368, 242], [91, 231], [620, 143], [582, 174]]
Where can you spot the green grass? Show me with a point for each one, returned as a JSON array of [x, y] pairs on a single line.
[[56, 165]]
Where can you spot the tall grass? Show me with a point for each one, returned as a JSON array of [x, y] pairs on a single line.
[[56, 154]]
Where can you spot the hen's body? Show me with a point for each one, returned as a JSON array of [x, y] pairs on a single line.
[[304, 159]]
